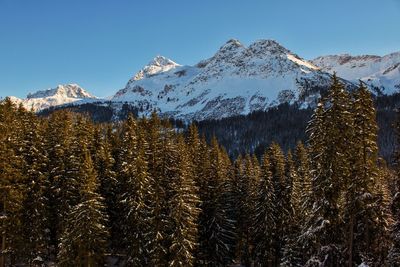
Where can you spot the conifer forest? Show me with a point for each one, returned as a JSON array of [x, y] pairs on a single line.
[[140, 192]]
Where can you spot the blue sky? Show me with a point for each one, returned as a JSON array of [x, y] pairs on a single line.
[[100, 44]]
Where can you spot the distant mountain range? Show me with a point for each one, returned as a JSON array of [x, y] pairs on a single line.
[[236, 80], [381, 73], [61, 95]]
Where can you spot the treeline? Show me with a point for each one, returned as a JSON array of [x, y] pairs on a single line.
[[253, 133], [140, 193], [99, 112], [285, 124]]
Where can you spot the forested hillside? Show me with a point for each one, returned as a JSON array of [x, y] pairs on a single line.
[[140, 193], [286, 124]]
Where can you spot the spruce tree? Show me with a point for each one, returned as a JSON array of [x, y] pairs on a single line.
[[34, 213], [292, 251], [394, 252], [362, 207], [57, 135], [11, 186], [216, 233], [161, 159], [330, 134], [184, 212], [104, 165], [281, 187], [246, 181], [84, 237], [264, 219], [135, 183], [302, 163]]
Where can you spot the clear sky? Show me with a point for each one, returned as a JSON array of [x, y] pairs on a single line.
[[100, 44]]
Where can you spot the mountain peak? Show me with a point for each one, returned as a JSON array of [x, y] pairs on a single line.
[[62, 90], [161, 61], [268, 45], [231, 44], [157, 65], [60, 95]]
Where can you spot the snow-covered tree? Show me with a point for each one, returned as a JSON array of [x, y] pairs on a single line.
[[330, 132], [245, 189], [104, 164], [34, 211], [264, 219], [84, 237], [135, 180], [292, 251], [183, 203], [281, 186], [216, 227], [365, 223], [57, 139], [11, 193]]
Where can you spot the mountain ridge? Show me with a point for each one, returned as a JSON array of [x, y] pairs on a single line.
[[381, 73], [60, 95], [236, 80]]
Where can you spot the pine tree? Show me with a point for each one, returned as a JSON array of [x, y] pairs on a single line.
[[394, 252], [216, 229], [34, 213], [68, 185], [249, 179], [330, 139], [135, 180], [303, 190], [57, 135], [292, 251], [184, 210], [264, 220], [281, 187], [84, 237], [104, 165], [302, 164], [161, 160], [361, 208], [11, 186]]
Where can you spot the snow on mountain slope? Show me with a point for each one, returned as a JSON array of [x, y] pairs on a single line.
[[236, 80], [382, 73], [157, 65], [62, 94]]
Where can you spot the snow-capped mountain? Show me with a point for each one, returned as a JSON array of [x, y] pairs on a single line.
[[382, 73], [236, 80], [62, 94]]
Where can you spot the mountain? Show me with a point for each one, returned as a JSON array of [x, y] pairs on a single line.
[[382, 73], [62, 94], [236, 80]]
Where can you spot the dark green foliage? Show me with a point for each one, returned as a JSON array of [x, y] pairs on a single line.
[[143, 194], [184, 211], [84, 235], [34, 212], [216, 228], [264, 217]]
